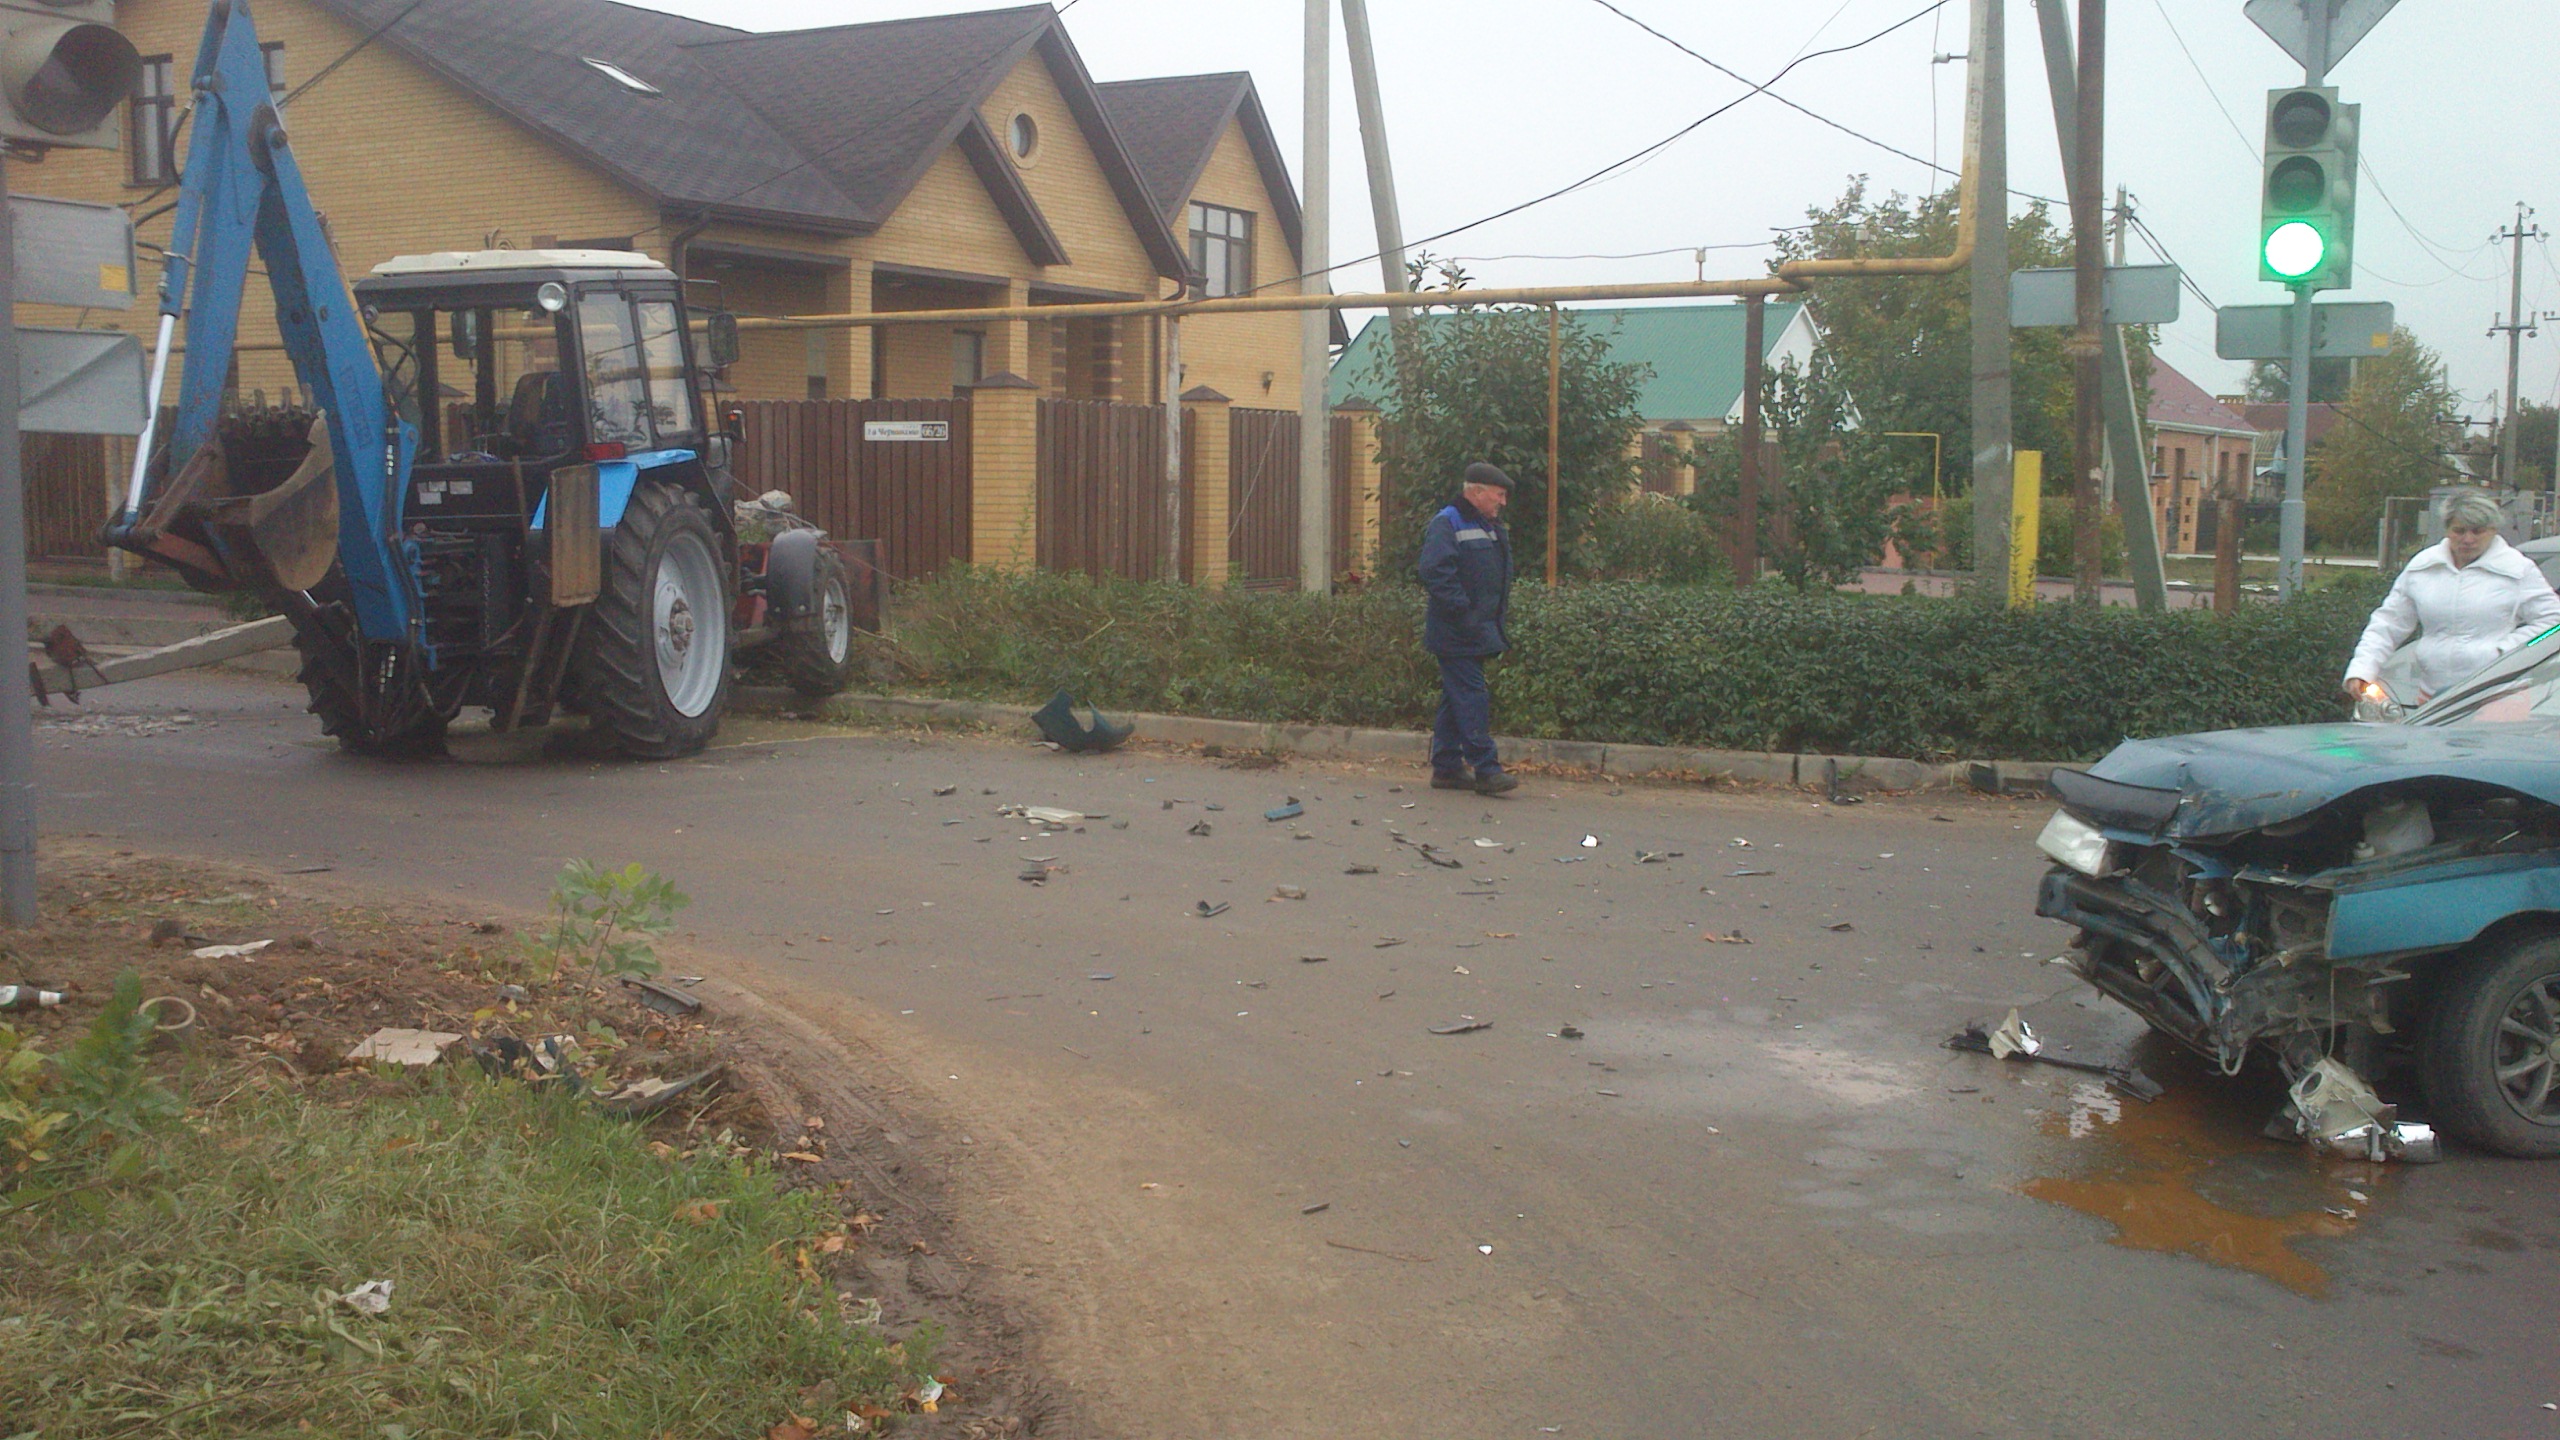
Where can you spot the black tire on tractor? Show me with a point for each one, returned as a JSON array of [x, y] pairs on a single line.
[[816, 650], [2489, 1059], [652, 664], [342, 716]]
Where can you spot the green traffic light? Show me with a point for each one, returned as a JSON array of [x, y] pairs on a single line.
[[2295, 249]]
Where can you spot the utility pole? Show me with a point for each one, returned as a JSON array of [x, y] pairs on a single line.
[[1373, 148], [2087, 347], [1315, 476], [17, 724], [1986, 94], [2517, 326]]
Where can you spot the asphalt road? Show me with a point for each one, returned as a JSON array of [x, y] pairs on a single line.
[[1754, 1198]]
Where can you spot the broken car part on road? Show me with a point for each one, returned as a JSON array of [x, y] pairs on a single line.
[[2015, 1041]]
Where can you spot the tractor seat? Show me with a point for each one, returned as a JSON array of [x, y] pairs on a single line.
[[538, 415]]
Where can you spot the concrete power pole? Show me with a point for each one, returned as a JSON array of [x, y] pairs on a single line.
[[1315, 476], [2089, 261], [1373, 148], [1987, 94], [2517, 326], [17, 723]]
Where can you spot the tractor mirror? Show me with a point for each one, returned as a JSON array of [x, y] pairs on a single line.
[[723, 338], [463, 328]]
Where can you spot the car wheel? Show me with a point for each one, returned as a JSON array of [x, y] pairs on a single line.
[[2490, 1057]]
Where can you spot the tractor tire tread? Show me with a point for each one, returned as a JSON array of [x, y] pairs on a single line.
[[614, 679]]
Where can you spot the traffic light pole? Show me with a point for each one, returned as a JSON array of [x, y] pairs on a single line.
[[2297, 386], [17, 723]]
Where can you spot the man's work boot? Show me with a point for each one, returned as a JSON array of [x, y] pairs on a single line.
[[1496, 783], [1451, 780]]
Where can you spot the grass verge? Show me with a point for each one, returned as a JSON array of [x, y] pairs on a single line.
[[551, 1275]]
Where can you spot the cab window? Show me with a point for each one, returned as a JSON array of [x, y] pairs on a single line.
[[617, 380]]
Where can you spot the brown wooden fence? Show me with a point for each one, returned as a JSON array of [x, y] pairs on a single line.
[[1262, 497], [1655, 468], [910, 495], [66, 490], [1101, 480]]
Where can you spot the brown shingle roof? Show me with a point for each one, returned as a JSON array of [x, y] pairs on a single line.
[[824, 129], [1171, 125], [2181, 403]]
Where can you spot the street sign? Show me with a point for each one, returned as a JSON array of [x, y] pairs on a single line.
[[70, 252], [2288, 23], [2344, 331], [2135, 295], [79, 382], [909, 430]]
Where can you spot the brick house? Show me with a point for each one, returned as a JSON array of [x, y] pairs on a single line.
[[2198, 445], [934, 163]]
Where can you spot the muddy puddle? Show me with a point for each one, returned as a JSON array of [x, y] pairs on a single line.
[[2190, 1174]]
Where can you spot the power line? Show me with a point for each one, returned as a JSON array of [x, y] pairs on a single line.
[[1622, 163], [1625, 255], [2210, 92], [1763, 86], [2158, 248], [2434, 251]]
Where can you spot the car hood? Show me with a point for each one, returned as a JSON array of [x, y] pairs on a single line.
[[2236, 780]]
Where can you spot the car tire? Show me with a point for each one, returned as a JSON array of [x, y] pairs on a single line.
[[2489, 1058]]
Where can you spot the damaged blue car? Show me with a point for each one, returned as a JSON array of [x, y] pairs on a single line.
[[2372, 894]]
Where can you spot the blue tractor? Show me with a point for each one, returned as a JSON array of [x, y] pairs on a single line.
[[508, 489]]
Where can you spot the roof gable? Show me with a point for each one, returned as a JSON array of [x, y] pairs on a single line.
[[1172, 125], [840, 122], [2181, 403], [1695, 352]]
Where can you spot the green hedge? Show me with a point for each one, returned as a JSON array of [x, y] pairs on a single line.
[[1760, 669]]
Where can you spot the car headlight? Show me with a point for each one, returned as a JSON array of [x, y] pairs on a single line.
[[2074, 842]]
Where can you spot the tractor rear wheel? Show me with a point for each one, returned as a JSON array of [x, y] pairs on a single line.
[[816, 650], [342, 714], [652, 664]]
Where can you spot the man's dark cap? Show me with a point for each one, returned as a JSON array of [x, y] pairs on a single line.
[[1481, 473]]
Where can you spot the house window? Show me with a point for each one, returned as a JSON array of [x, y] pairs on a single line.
[[273, 53], [1222, 249], [1025, 135], [155, 114], [968, 358]]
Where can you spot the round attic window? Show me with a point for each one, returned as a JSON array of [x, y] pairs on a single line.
[[1024, 133]]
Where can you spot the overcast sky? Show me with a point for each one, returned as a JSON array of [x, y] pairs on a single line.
[[1492, 102]]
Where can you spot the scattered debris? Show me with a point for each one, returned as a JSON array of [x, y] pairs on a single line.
[[1034, 874], [1838, 925], [1744, 874], [1612, 1094], [1656, 857], [1207, 911], [1387, 942], [2335, 1110], [1103, 975], [229, 952], [1288, 892], [1568, 1032], [946, 789], [1359, 869], [1486, 843], [1730, 937], [2015, 1041], [1590, 842], [1462, 1027], [28, 997], [1313, 959], [396, 1045], [663, 998], [1386, 1254], [1199, 828], [373, 1297], [310, 870], [649, 1094], [1048, 816], [1318, 1208], [1831, 785], [1290, 810], [1058, 724]]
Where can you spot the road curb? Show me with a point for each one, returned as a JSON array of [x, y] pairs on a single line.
[[1412, 747]]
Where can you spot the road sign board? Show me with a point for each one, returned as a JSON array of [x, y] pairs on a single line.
[[907, 430], [2135, 295], [70, 252], [2344, 331], [2288, 23], [79, 382]]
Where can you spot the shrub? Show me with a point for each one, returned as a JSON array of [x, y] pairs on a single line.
[[1653, 537], [1759, 669]]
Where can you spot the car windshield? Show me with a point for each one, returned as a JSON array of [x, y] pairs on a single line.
[[2523, 684]]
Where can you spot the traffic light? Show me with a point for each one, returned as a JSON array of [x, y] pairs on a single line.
[[64, 68], [2307, 208]]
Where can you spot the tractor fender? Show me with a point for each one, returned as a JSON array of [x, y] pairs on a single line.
[[791, 572]]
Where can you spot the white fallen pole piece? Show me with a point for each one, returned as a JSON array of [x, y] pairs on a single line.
[[229, 643]]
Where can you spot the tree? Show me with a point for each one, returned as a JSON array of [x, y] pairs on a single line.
[[1836, 510], [2537, 438], [2390, 439], [1902, 346], [1475, 388], [2329, 380]]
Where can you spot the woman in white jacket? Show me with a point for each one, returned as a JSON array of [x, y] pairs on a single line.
[[2470, 598]]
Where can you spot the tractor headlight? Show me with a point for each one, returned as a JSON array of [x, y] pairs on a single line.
[[2074, 842]]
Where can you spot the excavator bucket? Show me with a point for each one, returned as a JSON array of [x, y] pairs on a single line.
[[287, 536]]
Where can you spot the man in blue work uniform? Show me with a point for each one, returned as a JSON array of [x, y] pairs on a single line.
[[1466, 568]]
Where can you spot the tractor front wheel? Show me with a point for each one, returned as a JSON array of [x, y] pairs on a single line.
[[652, 664]]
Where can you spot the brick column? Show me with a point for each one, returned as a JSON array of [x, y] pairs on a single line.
[[1009, 341], [842, 356], [1204, 415], [1363, 476], [1004, 472], [1684, 477]]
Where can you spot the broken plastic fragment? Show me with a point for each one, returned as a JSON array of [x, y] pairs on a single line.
[[2014, 1037], [373, 1297], [1462, 1027], [1199, 828], [1207, 911], [1289, 811], [1058, 724], [1360, 870], [1590, 842], [1568, 1032], [394, 1045], [229, 952]]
